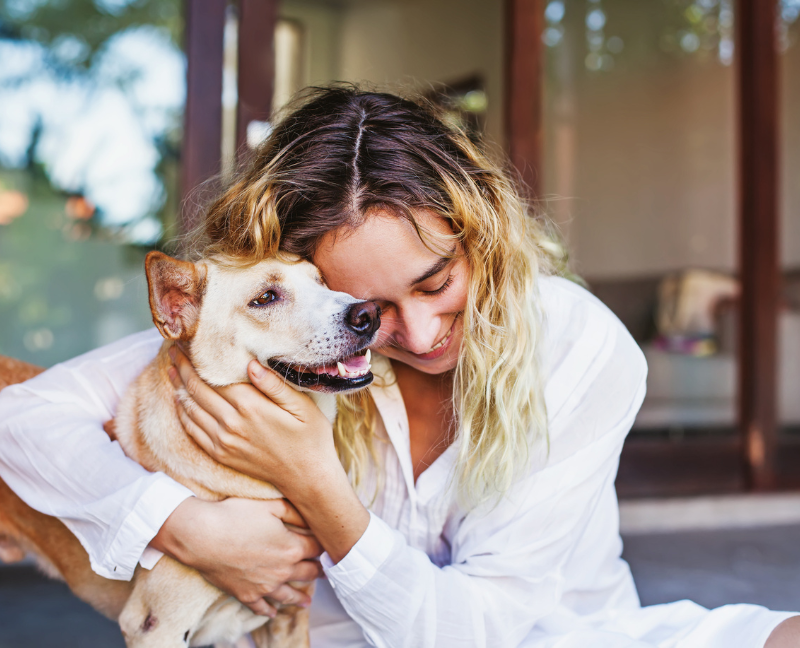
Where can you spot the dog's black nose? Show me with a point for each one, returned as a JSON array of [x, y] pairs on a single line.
[[363, 318]]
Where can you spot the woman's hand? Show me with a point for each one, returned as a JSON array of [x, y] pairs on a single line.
[[283, 439], [244, 548], [272, 432]]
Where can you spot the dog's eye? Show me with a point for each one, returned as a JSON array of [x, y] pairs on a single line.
[[267, 298]]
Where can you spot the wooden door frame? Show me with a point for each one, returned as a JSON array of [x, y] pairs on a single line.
[[759, 251], [202, 137], [202, 124]]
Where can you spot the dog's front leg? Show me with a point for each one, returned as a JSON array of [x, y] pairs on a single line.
[[166, 606]]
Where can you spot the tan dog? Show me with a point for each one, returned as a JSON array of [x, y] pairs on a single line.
[[278, 312]]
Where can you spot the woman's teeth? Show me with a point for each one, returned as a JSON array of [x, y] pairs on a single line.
[[441, 342]]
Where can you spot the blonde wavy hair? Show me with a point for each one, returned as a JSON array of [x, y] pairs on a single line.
[[340, 153]]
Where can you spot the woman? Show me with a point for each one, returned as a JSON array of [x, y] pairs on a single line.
[[468, 499]]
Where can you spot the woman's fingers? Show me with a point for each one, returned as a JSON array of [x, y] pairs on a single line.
[[204, 395], [198, 433], [261, 607], [311, 548], [283, 509], [277, 390], [288, 595], [307, 570]]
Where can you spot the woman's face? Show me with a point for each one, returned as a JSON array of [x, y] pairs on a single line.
[[422, 293]]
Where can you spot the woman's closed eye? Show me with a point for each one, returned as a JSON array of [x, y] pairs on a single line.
[[438, 291]]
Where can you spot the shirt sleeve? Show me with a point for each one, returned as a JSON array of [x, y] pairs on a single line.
[[55, 455], [510, 560]]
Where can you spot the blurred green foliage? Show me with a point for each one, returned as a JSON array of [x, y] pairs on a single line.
[[63, 291], [75, 30]]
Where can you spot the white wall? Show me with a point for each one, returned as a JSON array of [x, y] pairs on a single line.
[[407, 44], [322, 25], [640, 163], [641, 158], [416, 42]]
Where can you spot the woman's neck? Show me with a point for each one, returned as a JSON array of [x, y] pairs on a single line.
[[429, 405]]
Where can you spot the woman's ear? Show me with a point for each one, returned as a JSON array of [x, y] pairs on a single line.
[[176, 291]]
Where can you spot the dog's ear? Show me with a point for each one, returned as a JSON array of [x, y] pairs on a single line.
[[176, 290]]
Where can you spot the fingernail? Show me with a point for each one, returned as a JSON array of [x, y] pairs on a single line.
[[172, 352], [305, 604], [172, 372], [257, 368]]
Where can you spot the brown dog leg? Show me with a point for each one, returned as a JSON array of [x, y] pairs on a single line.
[[12, 372], [15, 371]]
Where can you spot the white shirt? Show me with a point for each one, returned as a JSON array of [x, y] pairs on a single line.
[[541, 568]]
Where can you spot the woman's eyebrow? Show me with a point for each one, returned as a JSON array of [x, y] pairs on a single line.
[[434, 269]]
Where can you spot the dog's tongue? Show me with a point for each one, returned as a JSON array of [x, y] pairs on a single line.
[[353, 364]]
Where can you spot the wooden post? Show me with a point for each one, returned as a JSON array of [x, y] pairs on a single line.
[[257, 19], [202, 133], [523, 91], [756, 48]]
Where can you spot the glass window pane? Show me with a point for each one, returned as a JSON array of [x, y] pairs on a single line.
[[91, 103], [640, 172]]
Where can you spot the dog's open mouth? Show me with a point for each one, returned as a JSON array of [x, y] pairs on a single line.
[[352, 372]]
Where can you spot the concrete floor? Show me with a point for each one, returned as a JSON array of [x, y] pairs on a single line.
[[710, 567], [717, 567], [36, 612]]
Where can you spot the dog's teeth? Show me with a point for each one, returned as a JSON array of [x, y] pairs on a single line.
[[342, 370], [369, 368], [368, 356]]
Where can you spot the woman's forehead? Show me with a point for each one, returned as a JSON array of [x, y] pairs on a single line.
[[383, 226], [384, 251]]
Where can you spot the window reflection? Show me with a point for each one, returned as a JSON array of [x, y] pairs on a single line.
[[91, 102]]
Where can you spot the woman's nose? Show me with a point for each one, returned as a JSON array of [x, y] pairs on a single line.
[[417, 329]]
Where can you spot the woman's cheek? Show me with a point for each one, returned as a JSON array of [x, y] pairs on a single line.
[[457, 299]]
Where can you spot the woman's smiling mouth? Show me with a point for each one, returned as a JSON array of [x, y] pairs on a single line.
[[438, 349]]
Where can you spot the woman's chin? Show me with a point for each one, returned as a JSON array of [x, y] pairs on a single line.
[[440, 364]]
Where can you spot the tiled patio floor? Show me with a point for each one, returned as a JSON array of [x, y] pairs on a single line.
[[710, 567]]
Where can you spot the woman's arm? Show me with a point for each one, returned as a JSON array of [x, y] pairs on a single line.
[[244, 548], [55, 455]]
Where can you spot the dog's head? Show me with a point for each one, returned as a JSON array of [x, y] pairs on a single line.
[[279, 312]]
